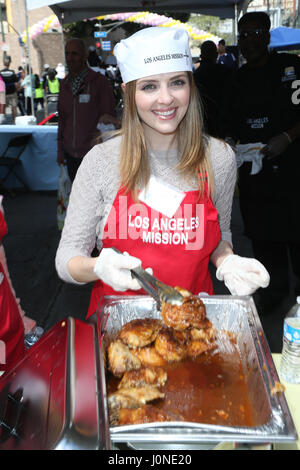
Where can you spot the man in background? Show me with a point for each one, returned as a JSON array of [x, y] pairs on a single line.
[[224, 57], [44, 77], [85, 99], [211, 79], [52, 84], [261, 110], [11, 86]]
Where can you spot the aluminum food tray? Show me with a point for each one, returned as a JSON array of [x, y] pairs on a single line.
[[272, 418]]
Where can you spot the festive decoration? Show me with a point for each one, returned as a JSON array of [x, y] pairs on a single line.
[[144, 17], [41, 27], [153, 19]]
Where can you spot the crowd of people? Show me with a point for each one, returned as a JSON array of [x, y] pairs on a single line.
[[188, 135], [18, 90]]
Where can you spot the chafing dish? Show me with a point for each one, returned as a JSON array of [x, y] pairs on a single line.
[[272, 418], [55, 398], [51, 399]]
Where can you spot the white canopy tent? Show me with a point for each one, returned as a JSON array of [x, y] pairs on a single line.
[[75, 10], [68, 11]]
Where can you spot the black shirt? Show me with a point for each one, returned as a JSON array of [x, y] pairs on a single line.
[[10, 79], [211, 80], [260, 103]]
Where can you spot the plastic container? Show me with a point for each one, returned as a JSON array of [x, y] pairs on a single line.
[[290, 359], [26, 121], [33, 336]]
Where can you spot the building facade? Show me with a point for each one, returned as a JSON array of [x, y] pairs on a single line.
[[45, 48], [282, 12]]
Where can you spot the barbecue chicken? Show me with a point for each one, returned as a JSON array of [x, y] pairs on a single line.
[[142, 350], [141, 332]]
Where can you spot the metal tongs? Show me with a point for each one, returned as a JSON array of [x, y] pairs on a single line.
[[158, 290]]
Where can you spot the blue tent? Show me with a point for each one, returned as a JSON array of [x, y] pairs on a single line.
[[283, 38]]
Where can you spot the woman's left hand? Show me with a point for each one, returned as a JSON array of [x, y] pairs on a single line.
[[242, 276]]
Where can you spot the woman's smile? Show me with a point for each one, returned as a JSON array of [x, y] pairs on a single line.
[[165, 114], [162, 101]]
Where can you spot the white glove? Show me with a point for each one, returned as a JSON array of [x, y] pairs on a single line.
[[114, 269], [242, 276]]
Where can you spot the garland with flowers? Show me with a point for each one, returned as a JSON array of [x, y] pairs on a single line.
[[153, 19], [145, 17], [40, 27]]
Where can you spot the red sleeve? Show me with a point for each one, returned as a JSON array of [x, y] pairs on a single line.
[[3, 226]]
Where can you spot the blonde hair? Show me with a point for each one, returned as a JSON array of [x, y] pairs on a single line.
[[194, 157]]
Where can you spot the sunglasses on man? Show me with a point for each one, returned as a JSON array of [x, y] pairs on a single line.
[[254, 33]]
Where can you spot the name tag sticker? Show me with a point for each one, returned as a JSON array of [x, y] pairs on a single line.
[[84, 98], [289, 74], [161, 197]]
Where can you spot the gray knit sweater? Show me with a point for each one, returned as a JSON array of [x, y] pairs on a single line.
[[97, 183]]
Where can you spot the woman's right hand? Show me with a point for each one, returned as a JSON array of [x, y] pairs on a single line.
[[114, 269]]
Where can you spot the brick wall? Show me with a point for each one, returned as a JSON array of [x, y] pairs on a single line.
[[46, 48]]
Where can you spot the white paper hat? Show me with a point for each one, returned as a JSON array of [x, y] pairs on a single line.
[[152, 51]]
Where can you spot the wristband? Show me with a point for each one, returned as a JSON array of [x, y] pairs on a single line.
[[288, 137]]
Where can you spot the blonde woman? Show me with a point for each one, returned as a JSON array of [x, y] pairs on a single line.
[[159, 190]]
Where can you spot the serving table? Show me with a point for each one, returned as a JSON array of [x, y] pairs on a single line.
[[53, 399], [39, 168], [292, 395]]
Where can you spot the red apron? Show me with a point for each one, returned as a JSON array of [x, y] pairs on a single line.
[[12, 347], [176, 248]]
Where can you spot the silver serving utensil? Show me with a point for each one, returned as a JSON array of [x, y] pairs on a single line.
[[158, 290]]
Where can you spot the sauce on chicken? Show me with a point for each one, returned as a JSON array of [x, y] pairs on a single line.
[[175, 370]]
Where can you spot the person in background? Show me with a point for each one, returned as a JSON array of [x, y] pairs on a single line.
[[112, 71], [160, 190], [261, 110], [2, 100], [21, 96], [38, 93], [85, 99], [94, 61], [52, 92], [11, 86], [211, 79], [60, 71], [46, 68], [53, 83], [29, 89], [12, 347], [226, 58]]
